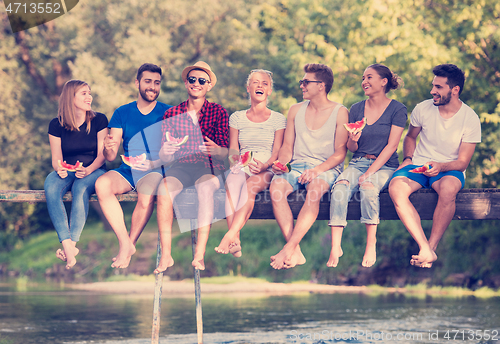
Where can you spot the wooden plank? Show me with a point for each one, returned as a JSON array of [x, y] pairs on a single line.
[[482, 204]]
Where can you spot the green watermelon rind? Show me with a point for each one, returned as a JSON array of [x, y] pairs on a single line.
[[139, 159], [418, 169], [69, 167], [170, 138], [355, 127], [248, 155]]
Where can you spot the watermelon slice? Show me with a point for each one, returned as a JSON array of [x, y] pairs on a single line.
[[176, 141], [355, 127], [69, 167], [134, 160], [285, 168], [421, 169], [243, 159]]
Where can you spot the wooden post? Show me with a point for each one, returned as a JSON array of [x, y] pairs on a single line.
[[155, 338], [197, 288]]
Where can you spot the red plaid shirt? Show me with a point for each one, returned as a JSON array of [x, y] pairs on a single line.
[[213, 122]]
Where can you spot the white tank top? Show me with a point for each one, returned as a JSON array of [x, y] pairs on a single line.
[[315, 146]]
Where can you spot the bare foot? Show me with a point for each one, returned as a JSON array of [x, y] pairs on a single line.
[[198, 263], [335, 254], [166, 261], [60, 254], [122, 259], [226, 243], [283, 260], [370, 256], [424, 259], [235, 250]]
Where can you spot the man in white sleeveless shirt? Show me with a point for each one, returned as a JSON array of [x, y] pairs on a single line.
[[449, 131], [315, 144]]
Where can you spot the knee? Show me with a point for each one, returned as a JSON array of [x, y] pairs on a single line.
[[278, 191], [340, 190], [368, 190], [102, 186]]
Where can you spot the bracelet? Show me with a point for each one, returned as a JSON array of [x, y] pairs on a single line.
[[407, 157]]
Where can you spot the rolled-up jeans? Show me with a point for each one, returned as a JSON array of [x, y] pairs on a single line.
[[81, 189], [342, 193]]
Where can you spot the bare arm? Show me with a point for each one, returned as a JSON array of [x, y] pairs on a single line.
[[464, 155], [409, 144], [112, 143], [386, 153], [286, 151]]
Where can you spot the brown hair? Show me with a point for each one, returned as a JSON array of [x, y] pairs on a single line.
[[393, 80], [66, 113], [322, 72]]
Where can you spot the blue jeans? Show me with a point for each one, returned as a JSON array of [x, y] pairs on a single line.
[[81, 189], [298, 168], [342, 193]]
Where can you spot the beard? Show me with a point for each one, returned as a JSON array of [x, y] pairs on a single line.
[[148, 98], [443, 100]]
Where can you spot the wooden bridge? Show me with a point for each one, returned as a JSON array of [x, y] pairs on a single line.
[[471, 204]]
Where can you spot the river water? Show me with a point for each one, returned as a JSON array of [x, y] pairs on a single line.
[[46, 315]]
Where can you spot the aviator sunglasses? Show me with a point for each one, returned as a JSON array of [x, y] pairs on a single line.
[[306, 82], [202, 81]]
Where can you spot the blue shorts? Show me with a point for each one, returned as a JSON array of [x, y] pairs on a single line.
[[133, 176], [292, 177], [425, 181]]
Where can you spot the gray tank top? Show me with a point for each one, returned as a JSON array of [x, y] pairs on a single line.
[[315, 146]]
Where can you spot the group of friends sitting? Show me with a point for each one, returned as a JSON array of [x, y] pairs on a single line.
[[197, 144]]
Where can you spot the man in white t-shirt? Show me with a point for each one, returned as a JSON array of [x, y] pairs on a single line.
[[449, 131]]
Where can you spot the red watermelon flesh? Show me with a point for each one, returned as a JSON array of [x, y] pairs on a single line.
[[134, 160], [355, 127], [176, 141], [285, 168], [243, 159], [421, 169], [69, 167]]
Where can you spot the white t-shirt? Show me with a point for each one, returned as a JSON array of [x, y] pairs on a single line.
[[440, 138], [257, 137]]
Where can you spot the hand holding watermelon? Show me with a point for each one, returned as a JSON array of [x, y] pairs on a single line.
[[240, 161], [356, 127], [421, 169], [281, 168]]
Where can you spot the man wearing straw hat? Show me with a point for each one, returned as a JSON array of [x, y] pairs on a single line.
[[198, 162]]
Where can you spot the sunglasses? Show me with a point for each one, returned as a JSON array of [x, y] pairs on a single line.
[[262, 71], [306, 82], [202, 81]]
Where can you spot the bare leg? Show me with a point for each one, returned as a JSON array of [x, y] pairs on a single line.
[[205, 186], [370, 256], [336, 251], [400, 190], [168, 189], [146, 195], [255, 184], [447, 189], [107, 187], [290, 255]]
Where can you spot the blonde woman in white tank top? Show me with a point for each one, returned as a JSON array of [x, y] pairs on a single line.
[[259, 130]]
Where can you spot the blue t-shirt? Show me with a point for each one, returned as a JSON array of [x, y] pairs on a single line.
[[141, 133], [375, 137]]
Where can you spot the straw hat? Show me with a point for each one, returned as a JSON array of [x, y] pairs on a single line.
[[204, 67]]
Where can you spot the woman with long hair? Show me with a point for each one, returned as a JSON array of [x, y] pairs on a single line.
[[374, 158], [260, 131], [76, 139]]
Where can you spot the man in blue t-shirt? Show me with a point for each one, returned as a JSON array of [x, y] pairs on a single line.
[[139, 125]]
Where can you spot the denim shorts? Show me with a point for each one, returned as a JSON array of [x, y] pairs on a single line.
[[134, 176], [298, 168], [425, 181]]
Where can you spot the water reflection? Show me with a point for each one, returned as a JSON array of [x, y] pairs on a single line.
[[62, 316]]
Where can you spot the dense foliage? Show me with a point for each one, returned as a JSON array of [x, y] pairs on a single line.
[[103, 43]]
